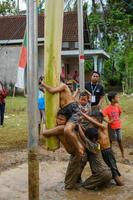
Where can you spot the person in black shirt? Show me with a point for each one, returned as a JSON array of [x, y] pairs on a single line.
[[96, 90]]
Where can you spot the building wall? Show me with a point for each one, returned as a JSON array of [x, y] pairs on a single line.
[[70, 65], [9, 57]]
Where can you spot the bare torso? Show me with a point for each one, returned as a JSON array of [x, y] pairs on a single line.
[[68, 146], [104, 138], [66, 97]]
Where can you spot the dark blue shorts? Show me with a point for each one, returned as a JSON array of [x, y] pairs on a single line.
[[115, 134]]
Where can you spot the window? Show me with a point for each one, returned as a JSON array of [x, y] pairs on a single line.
[[65, 45]]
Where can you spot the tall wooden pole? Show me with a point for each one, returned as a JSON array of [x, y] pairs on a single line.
[[52, 61], [32, 63], [81, 44]]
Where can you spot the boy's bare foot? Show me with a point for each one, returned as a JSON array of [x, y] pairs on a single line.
[[119, 181]]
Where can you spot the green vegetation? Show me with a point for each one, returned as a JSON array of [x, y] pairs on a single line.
[[111, 28], [8, 7], [127, 117], [14, 134], [110, 25]]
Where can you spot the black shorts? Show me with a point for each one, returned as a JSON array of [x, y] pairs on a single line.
[[73, 111], [109, 159]]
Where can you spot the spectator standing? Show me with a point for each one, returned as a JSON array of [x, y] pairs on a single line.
[[3, 94], [113, 112], [75, 78], [96, 90], [41, 103]]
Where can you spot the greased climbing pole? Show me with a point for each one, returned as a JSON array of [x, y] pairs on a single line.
[[54, 10]]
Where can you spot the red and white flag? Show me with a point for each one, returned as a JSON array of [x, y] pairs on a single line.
[[22, 64]]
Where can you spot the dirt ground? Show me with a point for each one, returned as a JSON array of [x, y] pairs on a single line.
[[13, 158], [14, 182]]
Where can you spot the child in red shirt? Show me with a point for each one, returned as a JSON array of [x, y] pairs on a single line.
[[113, 112]]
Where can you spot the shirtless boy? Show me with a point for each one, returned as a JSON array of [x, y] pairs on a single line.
[[70, 106], [76, 162], [101, 174], [107, 153]]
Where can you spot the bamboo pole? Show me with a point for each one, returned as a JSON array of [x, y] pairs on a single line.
[[52, 62]]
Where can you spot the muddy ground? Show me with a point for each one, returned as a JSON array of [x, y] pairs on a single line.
[[14, 181], [14, 173], [11, 158]]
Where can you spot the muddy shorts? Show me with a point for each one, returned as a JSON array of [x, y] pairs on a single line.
[[73, 111], [74, 170], [115, 134], [109, 159]]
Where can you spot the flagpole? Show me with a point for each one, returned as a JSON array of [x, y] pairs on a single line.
[[32, 61]]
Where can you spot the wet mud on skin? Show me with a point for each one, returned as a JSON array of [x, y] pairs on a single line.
[[14, 184]]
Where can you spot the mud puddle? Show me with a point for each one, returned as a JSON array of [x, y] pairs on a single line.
[[53, 187], [14, 184]]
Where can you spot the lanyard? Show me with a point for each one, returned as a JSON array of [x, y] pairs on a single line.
[[93, 90]]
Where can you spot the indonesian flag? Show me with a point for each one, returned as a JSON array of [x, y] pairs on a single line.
[[23, 55], [22, 64]]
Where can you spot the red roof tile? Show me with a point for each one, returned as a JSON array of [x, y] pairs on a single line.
[[13, 27]]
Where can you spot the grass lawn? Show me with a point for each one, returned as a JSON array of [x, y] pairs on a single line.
[[14, 133], [127, 116]]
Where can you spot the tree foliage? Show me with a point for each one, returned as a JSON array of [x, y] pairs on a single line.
[[8, 7], [111, 28]]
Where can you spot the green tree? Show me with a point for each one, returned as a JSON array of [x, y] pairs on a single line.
[[8, 7], [111, 28]]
